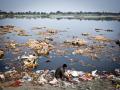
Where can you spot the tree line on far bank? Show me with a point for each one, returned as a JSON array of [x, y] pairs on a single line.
[[58, 12]]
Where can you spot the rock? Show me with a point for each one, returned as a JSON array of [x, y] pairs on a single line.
[[1, 53]]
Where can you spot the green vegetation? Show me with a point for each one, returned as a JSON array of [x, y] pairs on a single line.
[[62, 15]]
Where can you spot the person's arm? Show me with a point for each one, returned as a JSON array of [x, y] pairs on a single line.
[[63, 73]]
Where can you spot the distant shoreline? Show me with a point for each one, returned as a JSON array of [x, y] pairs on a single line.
[[63, 15]]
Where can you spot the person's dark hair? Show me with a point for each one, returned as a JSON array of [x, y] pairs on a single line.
[[64, 65], [33, 54]]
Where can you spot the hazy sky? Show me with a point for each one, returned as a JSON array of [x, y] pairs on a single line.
[[61, 5]]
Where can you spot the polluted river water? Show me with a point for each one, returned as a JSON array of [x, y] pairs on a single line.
[[105, 54]]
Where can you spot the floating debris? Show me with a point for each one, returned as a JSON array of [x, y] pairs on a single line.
[[48, 32], [30, 61], [23, 33], [1, 53], [41, 48], [6, 29], [117, 42], [49, 38], [85, 34], [101, 38], [82, 51], [76, 42], [38, 28], [98, 30], [109, 30]]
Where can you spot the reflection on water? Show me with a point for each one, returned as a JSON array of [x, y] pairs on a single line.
[[72, 28]]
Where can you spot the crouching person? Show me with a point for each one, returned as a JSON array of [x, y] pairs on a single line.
[[60, 72]]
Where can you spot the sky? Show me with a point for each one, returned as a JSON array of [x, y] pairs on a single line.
[[60, 5]]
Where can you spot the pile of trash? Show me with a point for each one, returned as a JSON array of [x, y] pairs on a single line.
[[92, 51], [42, 77], [30, 61], [1, 53], [76, 42], [9, 29], [6, 29], [40, 47], [82, 51], [11, 44], [20, 31], [48, 32], [101, 38]]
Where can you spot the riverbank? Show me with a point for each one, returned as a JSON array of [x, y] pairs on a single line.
[[60, 16], [35, 80]]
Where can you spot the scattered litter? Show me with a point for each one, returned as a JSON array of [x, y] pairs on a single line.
[[53, 82], [1, 53], [109, 30], [85, 34], [101, 38], [41, 48], [94, 73], [16, 83], [76, 42]]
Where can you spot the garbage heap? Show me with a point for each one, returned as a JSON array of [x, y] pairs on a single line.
[[40, 47], [15, 78]]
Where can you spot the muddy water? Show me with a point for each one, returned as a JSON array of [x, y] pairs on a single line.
[[70, 28]]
